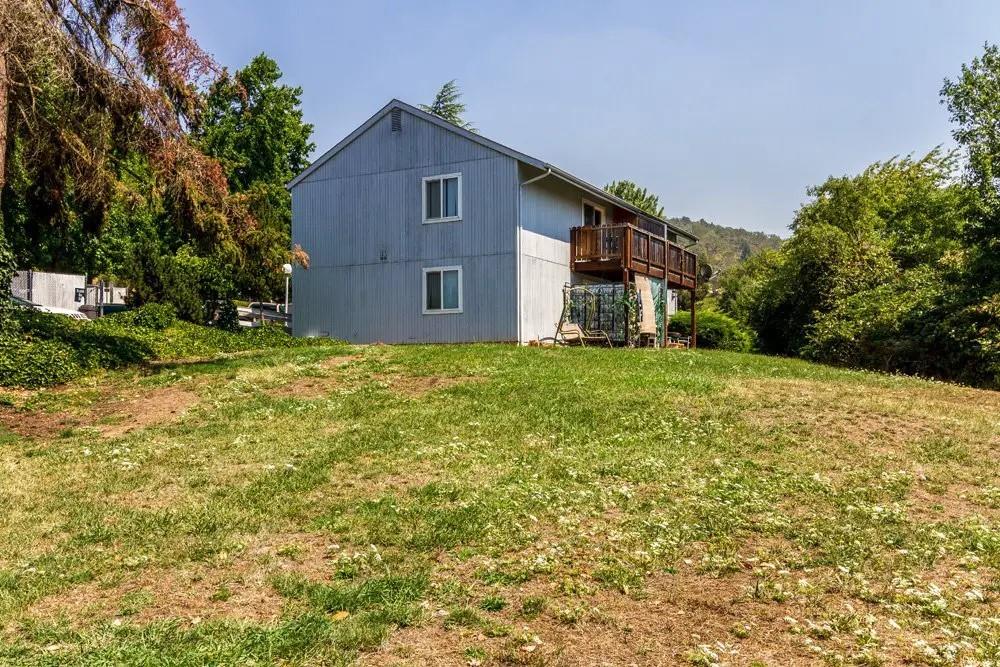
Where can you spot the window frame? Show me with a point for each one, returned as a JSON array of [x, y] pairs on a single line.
[[423, 198], [423, 290], [594, 205]]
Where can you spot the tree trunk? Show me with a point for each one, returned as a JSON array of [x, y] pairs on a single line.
[[4, 87]]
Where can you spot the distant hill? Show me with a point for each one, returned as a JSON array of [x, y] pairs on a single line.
[[724, 247]]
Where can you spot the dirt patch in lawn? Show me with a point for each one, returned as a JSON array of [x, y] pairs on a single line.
[[956, 503], [883, 422], [150, 409], [238, 589], [315, 386], [36, 423], [415, 386], [677, 616], [124, 412]]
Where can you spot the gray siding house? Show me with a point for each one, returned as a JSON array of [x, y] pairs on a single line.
[[420, 231]]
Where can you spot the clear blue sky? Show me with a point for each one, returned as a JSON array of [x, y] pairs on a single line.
[[727, 111]]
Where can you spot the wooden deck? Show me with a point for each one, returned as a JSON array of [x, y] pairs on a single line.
[[611, 251]]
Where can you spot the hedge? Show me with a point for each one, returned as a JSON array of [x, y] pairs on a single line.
[[43, 349], [715, 330]]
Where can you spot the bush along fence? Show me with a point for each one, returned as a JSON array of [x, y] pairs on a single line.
[[40, 349]]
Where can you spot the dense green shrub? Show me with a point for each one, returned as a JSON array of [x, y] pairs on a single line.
[[36, 363], [41, 349], [911, 325], [223, 314], [185, 279], [715, 330], [156, 316]]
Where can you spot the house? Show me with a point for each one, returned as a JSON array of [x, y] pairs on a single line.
[[420, 231]]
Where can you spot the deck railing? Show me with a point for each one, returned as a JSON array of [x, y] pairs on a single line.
[[606, 249]]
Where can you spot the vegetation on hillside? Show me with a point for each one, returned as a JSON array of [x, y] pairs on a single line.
[[896, 268], [723, 247], [127, 153], [499, 505], [40, 349]]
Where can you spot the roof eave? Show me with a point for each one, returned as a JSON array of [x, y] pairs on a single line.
[[419, 113], [489, 143]]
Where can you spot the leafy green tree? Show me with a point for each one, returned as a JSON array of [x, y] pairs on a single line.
[[857, 234], [974, 102], [742, 286], [84, 85], [253, 125], [637, 196], [912, 206], [448, 105]]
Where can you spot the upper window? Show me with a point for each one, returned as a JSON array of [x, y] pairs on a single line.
[[443, 198], [593, 215], [442, 290]]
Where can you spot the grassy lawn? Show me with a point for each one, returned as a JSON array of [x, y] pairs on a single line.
[[494, 505]]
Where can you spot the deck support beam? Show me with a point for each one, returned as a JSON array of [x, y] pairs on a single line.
[[628, 314], [694, 324], [665, 304]]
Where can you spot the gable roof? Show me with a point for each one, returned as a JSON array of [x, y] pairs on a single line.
[[591, 189]]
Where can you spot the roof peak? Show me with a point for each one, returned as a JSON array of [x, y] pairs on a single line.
[[489, 143]]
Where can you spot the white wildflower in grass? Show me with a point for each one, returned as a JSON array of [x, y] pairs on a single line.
[[975, 595]]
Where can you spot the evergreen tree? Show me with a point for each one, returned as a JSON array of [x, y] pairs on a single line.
[[447, 104]]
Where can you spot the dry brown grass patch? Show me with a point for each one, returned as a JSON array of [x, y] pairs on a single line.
[[882, 422], [317, 385], [415, 386], [155, 407], [237, 588], [678, 613]]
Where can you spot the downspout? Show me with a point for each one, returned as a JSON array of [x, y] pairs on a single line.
[[517, 246]]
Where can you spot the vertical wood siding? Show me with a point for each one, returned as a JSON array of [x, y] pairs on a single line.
[[359, 217]]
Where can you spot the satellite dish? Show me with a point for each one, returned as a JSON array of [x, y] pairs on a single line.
[[705, 272]]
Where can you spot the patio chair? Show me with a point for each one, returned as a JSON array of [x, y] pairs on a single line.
[[571, 333], [676, 340]]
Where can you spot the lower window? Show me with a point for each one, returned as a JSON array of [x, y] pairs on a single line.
[[443, 290]]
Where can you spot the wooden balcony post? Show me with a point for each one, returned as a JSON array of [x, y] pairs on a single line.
[[572, 248], [694, 324], [626, 250], [665, 304], [628, 313]]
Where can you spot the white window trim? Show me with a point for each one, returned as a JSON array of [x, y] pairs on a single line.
[[423, 290], [583, 214], [423, 199]]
